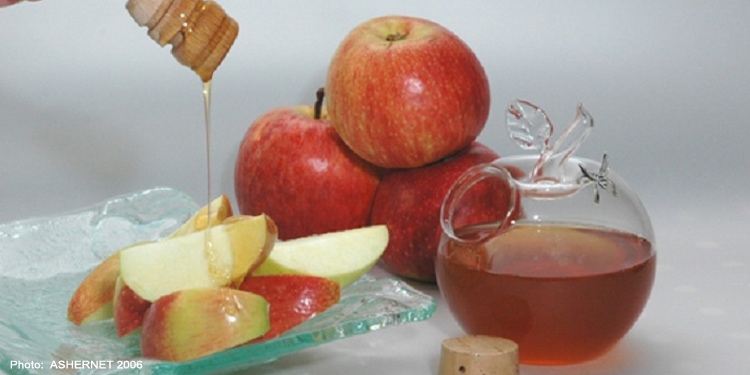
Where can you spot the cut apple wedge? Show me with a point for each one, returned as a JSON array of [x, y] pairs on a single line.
[[197, 260], [293, 298], [259, 235], [192, 323], [219, 209], [343, 256], [128, 309], [93, 299]]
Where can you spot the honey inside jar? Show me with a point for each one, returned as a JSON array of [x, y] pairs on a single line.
[[565, 294]]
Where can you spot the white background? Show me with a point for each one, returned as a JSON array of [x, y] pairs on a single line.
[[91, 107]]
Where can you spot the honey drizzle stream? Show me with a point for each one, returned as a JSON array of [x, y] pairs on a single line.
[[207, 119]]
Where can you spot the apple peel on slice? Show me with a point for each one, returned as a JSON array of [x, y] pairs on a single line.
[[128, 309], [92, 300], [193, 323], [293, 299], [343, 256]]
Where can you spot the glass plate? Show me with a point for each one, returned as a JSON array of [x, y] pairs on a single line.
[[43, 260]]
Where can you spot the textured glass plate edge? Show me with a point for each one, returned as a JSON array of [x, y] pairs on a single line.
[[395, 302], [44, 258]]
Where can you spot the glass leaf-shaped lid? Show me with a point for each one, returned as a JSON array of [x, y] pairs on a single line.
[[528, 125], [530, 128]]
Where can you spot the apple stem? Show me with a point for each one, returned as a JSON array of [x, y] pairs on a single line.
[[319, 95], [395, 37]]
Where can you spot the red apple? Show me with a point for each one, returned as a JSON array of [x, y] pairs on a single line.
[[293, 299], [408, 201], [405, 92], [295, 168]]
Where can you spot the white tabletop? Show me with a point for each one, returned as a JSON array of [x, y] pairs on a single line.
[[90, 108]]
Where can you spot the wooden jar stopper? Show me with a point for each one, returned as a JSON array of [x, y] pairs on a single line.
[[200, 32], [478, 355]]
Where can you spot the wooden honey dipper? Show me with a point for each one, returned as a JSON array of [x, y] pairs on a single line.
[[200, 32]]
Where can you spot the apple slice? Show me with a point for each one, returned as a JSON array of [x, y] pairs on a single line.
[[342, 256], [93, 299], [129, 309], [293, 298], [219, 210], [195, 260], [192, 323], [259, 234]]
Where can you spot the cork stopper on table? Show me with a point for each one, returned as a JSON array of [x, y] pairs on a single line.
[[200, 32], [478, 355]]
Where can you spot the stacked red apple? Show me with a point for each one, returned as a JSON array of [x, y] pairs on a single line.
[[220, 281], [405, 101]]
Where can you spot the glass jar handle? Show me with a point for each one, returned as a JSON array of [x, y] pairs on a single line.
[[463, 185]]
